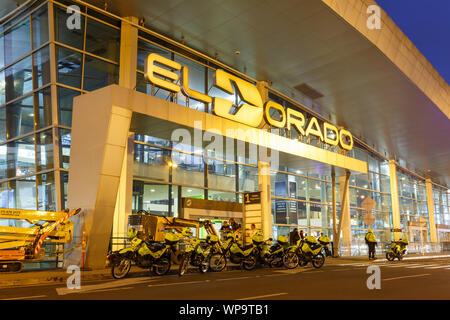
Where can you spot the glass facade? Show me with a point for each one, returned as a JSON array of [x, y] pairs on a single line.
[[34, 123], [413, 207], [43, 69]]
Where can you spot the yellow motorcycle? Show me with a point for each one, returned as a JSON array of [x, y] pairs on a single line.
[[305, 251], [154, 255], [397, 250], [198, 253]]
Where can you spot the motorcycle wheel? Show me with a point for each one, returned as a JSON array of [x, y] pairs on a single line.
[[318, 261], [204, 266], [276, 262], [249, 263], [390, 256], [183, 265], [121, 269], [302, 261], [217, 262], [161, 266], [290, 260]]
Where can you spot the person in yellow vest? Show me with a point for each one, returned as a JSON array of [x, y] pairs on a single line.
[[371, 241]]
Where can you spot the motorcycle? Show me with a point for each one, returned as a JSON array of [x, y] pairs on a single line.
[[152, 254], [246, 256], [305, 251], [273, 255], [397, 250], [197, 254], [325, 241]]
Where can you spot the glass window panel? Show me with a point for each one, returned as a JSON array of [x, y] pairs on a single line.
[[151, 197], [248, 178], [197, 74], [2, 88], [41, 67], [360, 180], [3, 167], [65, 103], [17, 41], [64, 189], [2, 51], [39, 21], [19, 117], [64, 144], [196, 193], [43, 102], [151, 162], [221, 196], [22, 194], [2, 124], [72, 37], [221, 175], [44, 150], [69, 67], [46, 191], [145, 48], [102, 40], [20, 157], [18, 79], [99, 73], [189, 170]]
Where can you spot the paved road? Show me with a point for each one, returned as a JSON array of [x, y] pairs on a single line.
[[414, 279]]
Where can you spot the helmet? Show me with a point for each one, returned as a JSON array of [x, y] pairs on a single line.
[[370, 230], [131, 233], [211, 238], [186, 232]]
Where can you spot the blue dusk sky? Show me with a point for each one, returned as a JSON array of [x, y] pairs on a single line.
[[427, 24]]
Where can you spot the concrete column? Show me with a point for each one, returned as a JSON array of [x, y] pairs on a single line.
[[430, 205], [394, 199], [99, 137], [266, 206], [345, 214], [127, 79]]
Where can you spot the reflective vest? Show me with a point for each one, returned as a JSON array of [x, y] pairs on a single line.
[[371, 237]]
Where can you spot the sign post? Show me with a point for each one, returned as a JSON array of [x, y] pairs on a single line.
[[252, 212]]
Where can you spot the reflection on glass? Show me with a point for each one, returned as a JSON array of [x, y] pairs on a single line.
[[19, 117], [151, 197], [102, 40], [22, 194], [64, 144], [99, 73], [72, 37], [46, 191], [69, 67], [221, 175], [17, 41], [39, 21], [43, 102], [44, 150], [41, 67], [65, 103], [151, 162], [18, 79], [20, 157]]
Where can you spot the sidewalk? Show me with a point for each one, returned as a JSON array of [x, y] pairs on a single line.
[[49, 277]]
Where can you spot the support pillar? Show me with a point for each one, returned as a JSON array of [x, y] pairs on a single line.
[[344, 221], [266, 206], [394, 199], [430, 206]]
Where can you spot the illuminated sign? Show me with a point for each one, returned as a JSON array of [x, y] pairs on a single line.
[[252, 111]]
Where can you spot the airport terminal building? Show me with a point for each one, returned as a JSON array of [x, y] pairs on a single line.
[[121, 106]]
